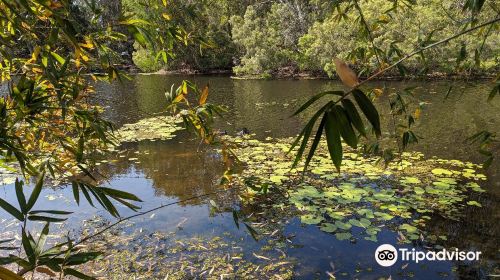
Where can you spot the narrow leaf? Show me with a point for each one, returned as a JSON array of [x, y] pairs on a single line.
[[345, 126], [315, 98], [36, 192], [11, 210], [316, 140], [332, 131], [353, 115], [20, 196], [204, 95], [368, 109]]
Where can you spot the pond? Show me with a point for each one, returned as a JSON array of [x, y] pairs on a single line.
[[162, 172]]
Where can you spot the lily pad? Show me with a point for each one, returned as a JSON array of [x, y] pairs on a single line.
[[328, 227], [343, 235], [310, 219]]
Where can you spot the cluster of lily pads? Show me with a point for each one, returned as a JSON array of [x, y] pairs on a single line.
[[154, 128], [401, 197]]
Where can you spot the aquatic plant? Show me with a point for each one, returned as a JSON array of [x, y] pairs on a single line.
[[154, 128], [401, 197]]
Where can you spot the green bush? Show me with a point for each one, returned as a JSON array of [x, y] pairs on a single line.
[[146, 60], [431, 20]]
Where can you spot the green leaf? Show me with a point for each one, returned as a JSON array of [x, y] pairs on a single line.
[[315, 143], [20, 195], [332, 132], [29, 247], [41, 241], [346, 130], [45, 219], [11, 210], [81, 258], [474, 203], [368, 109], [353, 115], [77, 274], [120, 194], [362, 223], [343, 235], [76, 192], [58, 58], [55, 212], [86, 194], [36, 192], [314, 99], [304, 135]]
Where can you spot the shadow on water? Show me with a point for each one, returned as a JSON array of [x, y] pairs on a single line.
[[165, 171]]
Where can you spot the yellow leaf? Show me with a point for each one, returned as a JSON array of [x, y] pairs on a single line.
[[378, 92], [204, 95], [417, 113], [179, 98], [346, 75], [35, 53], [166, 16], [6, 274], [184, 89]]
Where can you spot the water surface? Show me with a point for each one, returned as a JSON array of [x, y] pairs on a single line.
[[178, 169]]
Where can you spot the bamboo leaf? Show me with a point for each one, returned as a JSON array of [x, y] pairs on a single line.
[[204, 95], [316, 140], [235, 218], [368, 110], [45, 219], [332, 131], [20, 195], [346, 130], [120, 194], [81, 258], [11, 210], [55, 212], [6, 274], [316, 98], [353, 115], [36, 192], [76, 192], [29, 247], [77, 274], [41, 241], [306, 132]]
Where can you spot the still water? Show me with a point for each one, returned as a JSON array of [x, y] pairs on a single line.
[[177, 169]]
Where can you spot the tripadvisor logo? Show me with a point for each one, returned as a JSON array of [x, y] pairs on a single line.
[[386, 255]]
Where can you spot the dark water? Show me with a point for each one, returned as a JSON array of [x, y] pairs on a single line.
[[168, 171]]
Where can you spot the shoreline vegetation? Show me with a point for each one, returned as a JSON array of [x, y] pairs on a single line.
[[282, 40], [308, 75]]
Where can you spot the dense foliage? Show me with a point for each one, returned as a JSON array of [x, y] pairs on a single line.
[[273, 38]]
